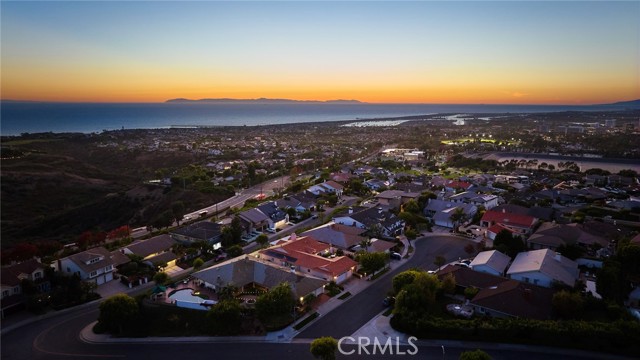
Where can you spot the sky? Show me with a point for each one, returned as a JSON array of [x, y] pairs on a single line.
[[401, 52]]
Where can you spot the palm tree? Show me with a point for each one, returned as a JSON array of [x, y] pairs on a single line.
[[365, 244], [457, 216]]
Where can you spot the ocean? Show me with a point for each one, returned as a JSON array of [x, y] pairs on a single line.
[[35, 117]]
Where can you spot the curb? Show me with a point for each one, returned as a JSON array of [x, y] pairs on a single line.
[[86, 335]]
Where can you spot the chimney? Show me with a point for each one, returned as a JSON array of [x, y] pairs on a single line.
[[558, 256], [350, 210], [292, 237], [504, 211]]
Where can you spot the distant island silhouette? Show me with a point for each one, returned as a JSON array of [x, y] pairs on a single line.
[[261, 101]]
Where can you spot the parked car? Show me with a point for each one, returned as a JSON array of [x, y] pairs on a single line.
[[389, 301], [395, 256]]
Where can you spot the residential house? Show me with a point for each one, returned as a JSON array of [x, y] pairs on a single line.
[[206, 231], [376, 184], [514, 299], [338, 235], [466, 277], [541, 213], [375, 245], [11, 278], [327, 187], [544, 268], [395, 198], [496, 221], [245, 271], [278, 218], [631, 205], [305, 254], [440, 211], [454, 185], [552, 235], [154, 251], [341, 177], [375, 219], [488, 201], [96, 265], [491, 262], [254, 219], [411, 187]]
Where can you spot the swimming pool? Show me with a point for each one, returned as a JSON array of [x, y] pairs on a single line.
[[185, 298]]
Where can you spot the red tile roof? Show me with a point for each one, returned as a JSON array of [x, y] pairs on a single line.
[[458, 184], [509, 219], [305, 249]]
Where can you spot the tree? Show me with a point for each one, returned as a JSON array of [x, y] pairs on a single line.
[[165, 219], [372, 262], [567, 305], [457, 217], [469, 249], [225, 318], [449, 284], [628, 173], [236, 229], [262, 240], [419, 297], [411, 207], [439, 261], [117, 312], [227, 292], [161, 278], [234, 251], [404, 278], [197, 263], [474, 355], [324, 348], [178, 210], [276, 307], [471, 292], [364, 244], [506, 243]]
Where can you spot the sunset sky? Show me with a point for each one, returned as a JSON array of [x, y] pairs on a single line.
[[407, 52]]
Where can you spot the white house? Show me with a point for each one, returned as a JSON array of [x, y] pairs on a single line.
[[488, 201], [544, 268], [440, 211], [491, 262], [327, 187], [96, 265], [370, 218]]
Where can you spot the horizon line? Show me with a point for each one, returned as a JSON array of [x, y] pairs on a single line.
[[312, 100]]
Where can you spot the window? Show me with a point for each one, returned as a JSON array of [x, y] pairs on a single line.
[[68, 269], [16, 290], [526, 279], [108, 268], [37, 275], [5, 293], [93, 273], [535, 281]]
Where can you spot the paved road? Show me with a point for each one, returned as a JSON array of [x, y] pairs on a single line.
[[239, 199], [57, 338], [359, 309]]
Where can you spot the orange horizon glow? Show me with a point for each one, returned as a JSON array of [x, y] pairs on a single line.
[[528, 53]]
